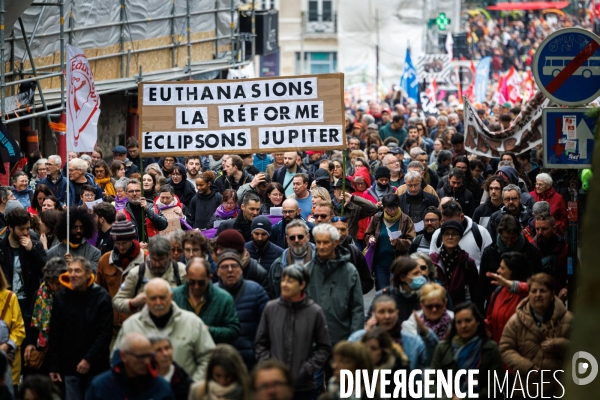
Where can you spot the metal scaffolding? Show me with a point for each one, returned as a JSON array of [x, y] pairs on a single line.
[[51, 102]]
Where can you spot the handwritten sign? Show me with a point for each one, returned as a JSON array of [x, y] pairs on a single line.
[[173, 220]]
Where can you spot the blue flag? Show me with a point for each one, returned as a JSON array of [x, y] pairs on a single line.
[[482, 76], [409, 82]]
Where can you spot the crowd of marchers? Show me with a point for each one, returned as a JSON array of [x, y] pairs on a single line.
[[258, 292]]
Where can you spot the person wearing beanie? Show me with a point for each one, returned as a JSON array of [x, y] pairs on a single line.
[[105, 216], [252, 270], [250, 300], [455, 268], [381, 186], [260, 247], [114, 265]]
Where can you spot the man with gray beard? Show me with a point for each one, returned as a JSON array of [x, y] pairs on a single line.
[[299, 251]]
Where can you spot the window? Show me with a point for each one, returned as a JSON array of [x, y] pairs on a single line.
[[320, 11], [268, 4], [557, 63], [317, 63]]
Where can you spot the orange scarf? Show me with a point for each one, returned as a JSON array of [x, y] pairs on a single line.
[[106, 185], [66, 282]]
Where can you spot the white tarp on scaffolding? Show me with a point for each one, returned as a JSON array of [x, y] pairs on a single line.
[[89, 13], [400, 23]]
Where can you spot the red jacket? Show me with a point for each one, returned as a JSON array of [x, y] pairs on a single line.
[[558, 209], [501, 308], [363, 224]]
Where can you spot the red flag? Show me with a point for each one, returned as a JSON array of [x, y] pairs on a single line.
[[470, 91], [431, 91], [513, 82]]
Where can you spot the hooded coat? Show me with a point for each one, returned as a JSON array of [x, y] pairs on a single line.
[[335, 286], [521, 343], [513, 177], [202, 208], [279, 265], [307, 345], [184, 190]]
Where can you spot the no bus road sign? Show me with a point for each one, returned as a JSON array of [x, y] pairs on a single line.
[[566, 67]]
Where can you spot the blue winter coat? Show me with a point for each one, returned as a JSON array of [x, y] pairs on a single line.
[[249, 304], [278, 233], [114, 384], [59, 188], [23, 196], [266, 256]]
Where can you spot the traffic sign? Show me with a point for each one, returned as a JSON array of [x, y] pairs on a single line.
[[568, 138], [566, 67]]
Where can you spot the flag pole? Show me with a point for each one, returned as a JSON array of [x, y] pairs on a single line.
[[143, 217]]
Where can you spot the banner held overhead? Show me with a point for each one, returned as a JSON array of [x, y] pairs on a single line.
[[242, 116]]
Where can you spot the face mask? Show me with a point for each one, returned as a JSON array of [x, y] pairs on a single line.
[[417, 282]]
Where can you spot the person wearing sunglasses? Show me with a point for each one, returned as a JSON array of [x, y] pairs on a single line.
[[212, 304], [455, 268], [434, 312], [298, 250], [133, 376]]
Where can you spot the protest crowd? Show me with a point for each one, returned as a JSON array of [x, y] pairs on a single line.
[[239, 276]]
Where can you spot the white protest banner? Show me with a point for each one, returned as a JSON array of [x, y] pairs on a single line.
[[242, 116], [83, 102], [242, 73]]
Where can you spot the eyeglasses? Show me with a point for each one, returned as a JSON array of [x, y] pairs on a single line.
[[88, 195], [431, 307], [140, 356], [134, 191], [321, 216], [199, 282], [225, 267], [540, 184], [392, 163], [294, 237], [450, 234], [431, 220], [338, 219], [511, 199]]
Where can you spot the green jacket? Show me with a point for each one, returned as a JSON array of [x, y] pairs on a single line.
[[218, 313], [443, 359], [386, 131], [335, 286]]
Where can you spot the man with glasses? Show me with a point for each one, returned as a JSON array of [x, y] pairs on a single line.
[[122, 381], [475, 238], [291, 210], [396, 173], [511, 197], [415, 200], [78, 177], [55, 180], [356, 256], [191, 340], [431, 222], [137, 208], [418, 167], [212, 304], [298, 250], [250, 300], [158, 264]]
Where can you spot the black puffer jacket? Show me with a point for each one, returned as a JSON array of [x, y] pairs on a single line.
[[184, 190], [202, 208], [265, 256], [484, 210], [462, 196], [80, 327]]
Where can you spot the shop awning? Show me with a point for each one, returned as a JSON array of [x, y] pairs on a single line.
[[529, 6]]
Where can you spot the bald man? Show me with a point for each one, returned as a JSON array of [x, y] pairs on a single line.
[[285, 174], [291, 210], [191, 340], [131, 378]]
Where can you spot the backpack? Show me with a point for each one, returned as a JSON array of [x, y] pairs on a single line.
[[476, 235], [142, 272]]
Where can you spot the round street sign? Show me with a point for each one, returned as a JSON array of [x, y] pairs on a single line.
[[566, 67]]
